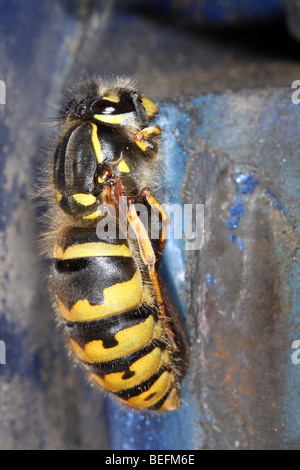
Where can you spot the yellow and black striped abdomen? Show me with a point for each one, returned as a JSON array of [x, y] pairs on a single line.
[[113, 328]]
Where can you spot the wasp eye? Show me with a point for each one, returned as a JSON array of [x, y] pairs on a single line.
[[109, 107], [103, 107]]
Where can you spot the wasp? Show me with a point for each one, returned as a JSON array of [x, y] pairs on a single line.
[[118, 317]]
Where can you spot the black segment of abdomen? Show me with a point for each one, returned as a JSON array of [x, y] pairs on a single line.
[[122, 364], [142, 387], [105, 328], [86, 278]]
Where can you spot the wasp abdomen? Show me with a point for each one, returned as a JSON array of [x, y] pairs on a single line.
[[93, 279], [112, 329]]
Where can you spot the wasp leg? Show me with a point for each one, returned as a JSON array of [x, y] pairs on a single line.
[[147, 138], [148, 257], [145, 245], [170, 309], [165, 220]]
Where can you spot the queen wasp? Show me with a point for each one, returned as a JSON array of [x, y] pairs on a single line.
[[118, 317]]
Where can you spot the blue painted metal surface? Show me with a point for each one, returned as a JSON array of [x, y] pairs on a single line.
[[238, 403], [257, 133]]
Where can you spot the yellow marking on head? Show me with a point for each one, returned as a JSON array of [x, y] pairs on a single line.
[[143, 368], [129, 340], [84, 250], [172, 402], [150, 107], [112, 97], [84, 199], [58, 197], [123, 167], [117, 298], [159, 388], [100, 180], [93, 215], [111, 118], [96, 143]]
